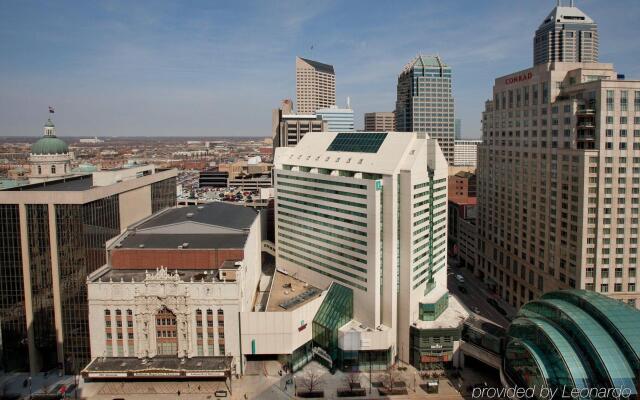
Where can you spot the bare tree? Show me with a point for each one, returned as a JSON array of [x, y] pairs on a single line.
[[352, 380], [311, 381], [390, 377]]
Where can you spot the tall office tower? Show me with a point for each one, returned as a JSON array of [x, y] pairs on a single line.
[[53, 236], [315, 85], [368, 211], [457, 123], [566, 35], [425, 101], [559, 182], [337, 119], [380, 121], [287, 128]]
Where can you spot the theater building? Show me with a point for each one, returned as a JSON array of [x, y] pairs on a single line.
[[167, 303]]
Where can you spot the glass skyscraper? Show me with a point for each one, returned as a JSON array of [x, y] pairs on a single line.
[[425, 101]]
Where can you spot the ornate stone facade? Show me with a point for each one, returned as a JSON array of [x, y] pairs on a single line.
[[124, 314]]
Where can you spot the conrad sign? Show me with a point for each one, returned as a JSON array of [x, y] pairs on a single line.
[[519, 78]]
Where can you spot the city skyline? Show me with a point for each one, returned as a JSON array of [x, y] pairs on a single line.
[[122, 70]]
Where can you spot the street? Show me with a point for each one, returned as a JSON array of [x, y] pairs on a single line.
[[476, 295]]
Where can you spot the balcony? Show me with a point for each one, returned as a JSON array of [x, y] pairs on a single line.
[[586, 124], [585, 111]]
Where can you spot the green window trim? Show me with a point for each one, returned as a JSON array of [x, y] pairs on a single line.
[[342, 271], [323, 207], [321, 223], [320, 189], [325, 273], [312, 196], [327, 216], [327, 249]]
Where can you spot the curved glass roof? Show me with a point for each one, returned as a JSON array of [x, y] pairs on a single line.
[[623, 318], [602, 344], [537, 354], [572, 360], [570, 356]]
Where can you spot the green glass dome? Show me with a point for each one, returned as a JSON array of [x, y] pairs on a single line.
[[49, 145]]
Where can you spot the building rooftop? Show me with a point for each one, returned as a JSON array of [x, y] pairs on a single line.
[[192, 241], [603, 332], [219, 214], [139, 275], [326, 68], [383, 153], [288, 293], [464, 174], [72, 184], [422, 61], [567, 15], [452, 317]]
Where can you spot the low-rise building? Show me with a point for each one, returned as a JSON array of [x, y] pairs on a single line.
[[173, 288]]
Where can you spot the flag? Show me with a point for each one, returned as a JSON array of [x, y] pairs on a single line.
[[51, 110]]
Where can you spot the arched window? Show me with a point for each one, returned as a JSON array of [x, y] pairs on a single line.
[[166, 333], [39, 170], [53, 169]]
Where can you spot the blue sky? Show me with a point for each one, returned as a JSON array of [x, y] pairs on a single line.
[[217, 68]]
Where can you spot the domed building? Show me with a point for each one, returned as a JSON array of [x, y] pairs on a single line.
[[50, 157]]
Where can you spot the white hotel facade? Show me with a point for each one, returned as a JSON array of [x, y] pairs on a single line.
[[368, 211]]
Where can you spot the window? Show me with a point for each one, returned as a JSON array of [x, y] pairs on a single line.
[[53, 169], [609, 100]]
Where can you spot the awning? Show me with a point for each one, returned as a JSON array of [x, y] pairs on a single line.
[[158, 367]]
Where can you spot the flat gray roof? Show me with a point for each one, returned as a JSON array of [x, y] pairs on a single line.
[[74, 184], [217, 214], [195, 241]]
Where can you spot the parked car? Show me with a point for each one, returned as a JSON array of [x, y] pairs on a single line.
[[460, 278]]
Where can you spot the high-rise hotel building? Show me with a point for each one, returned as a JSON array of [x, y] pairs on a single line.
[[559, 174], [52, 236], [368, 210], [315, 86], [425, 101]]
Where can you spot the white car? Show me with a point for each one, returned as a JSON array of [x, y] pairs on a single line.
[[460, 278]]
